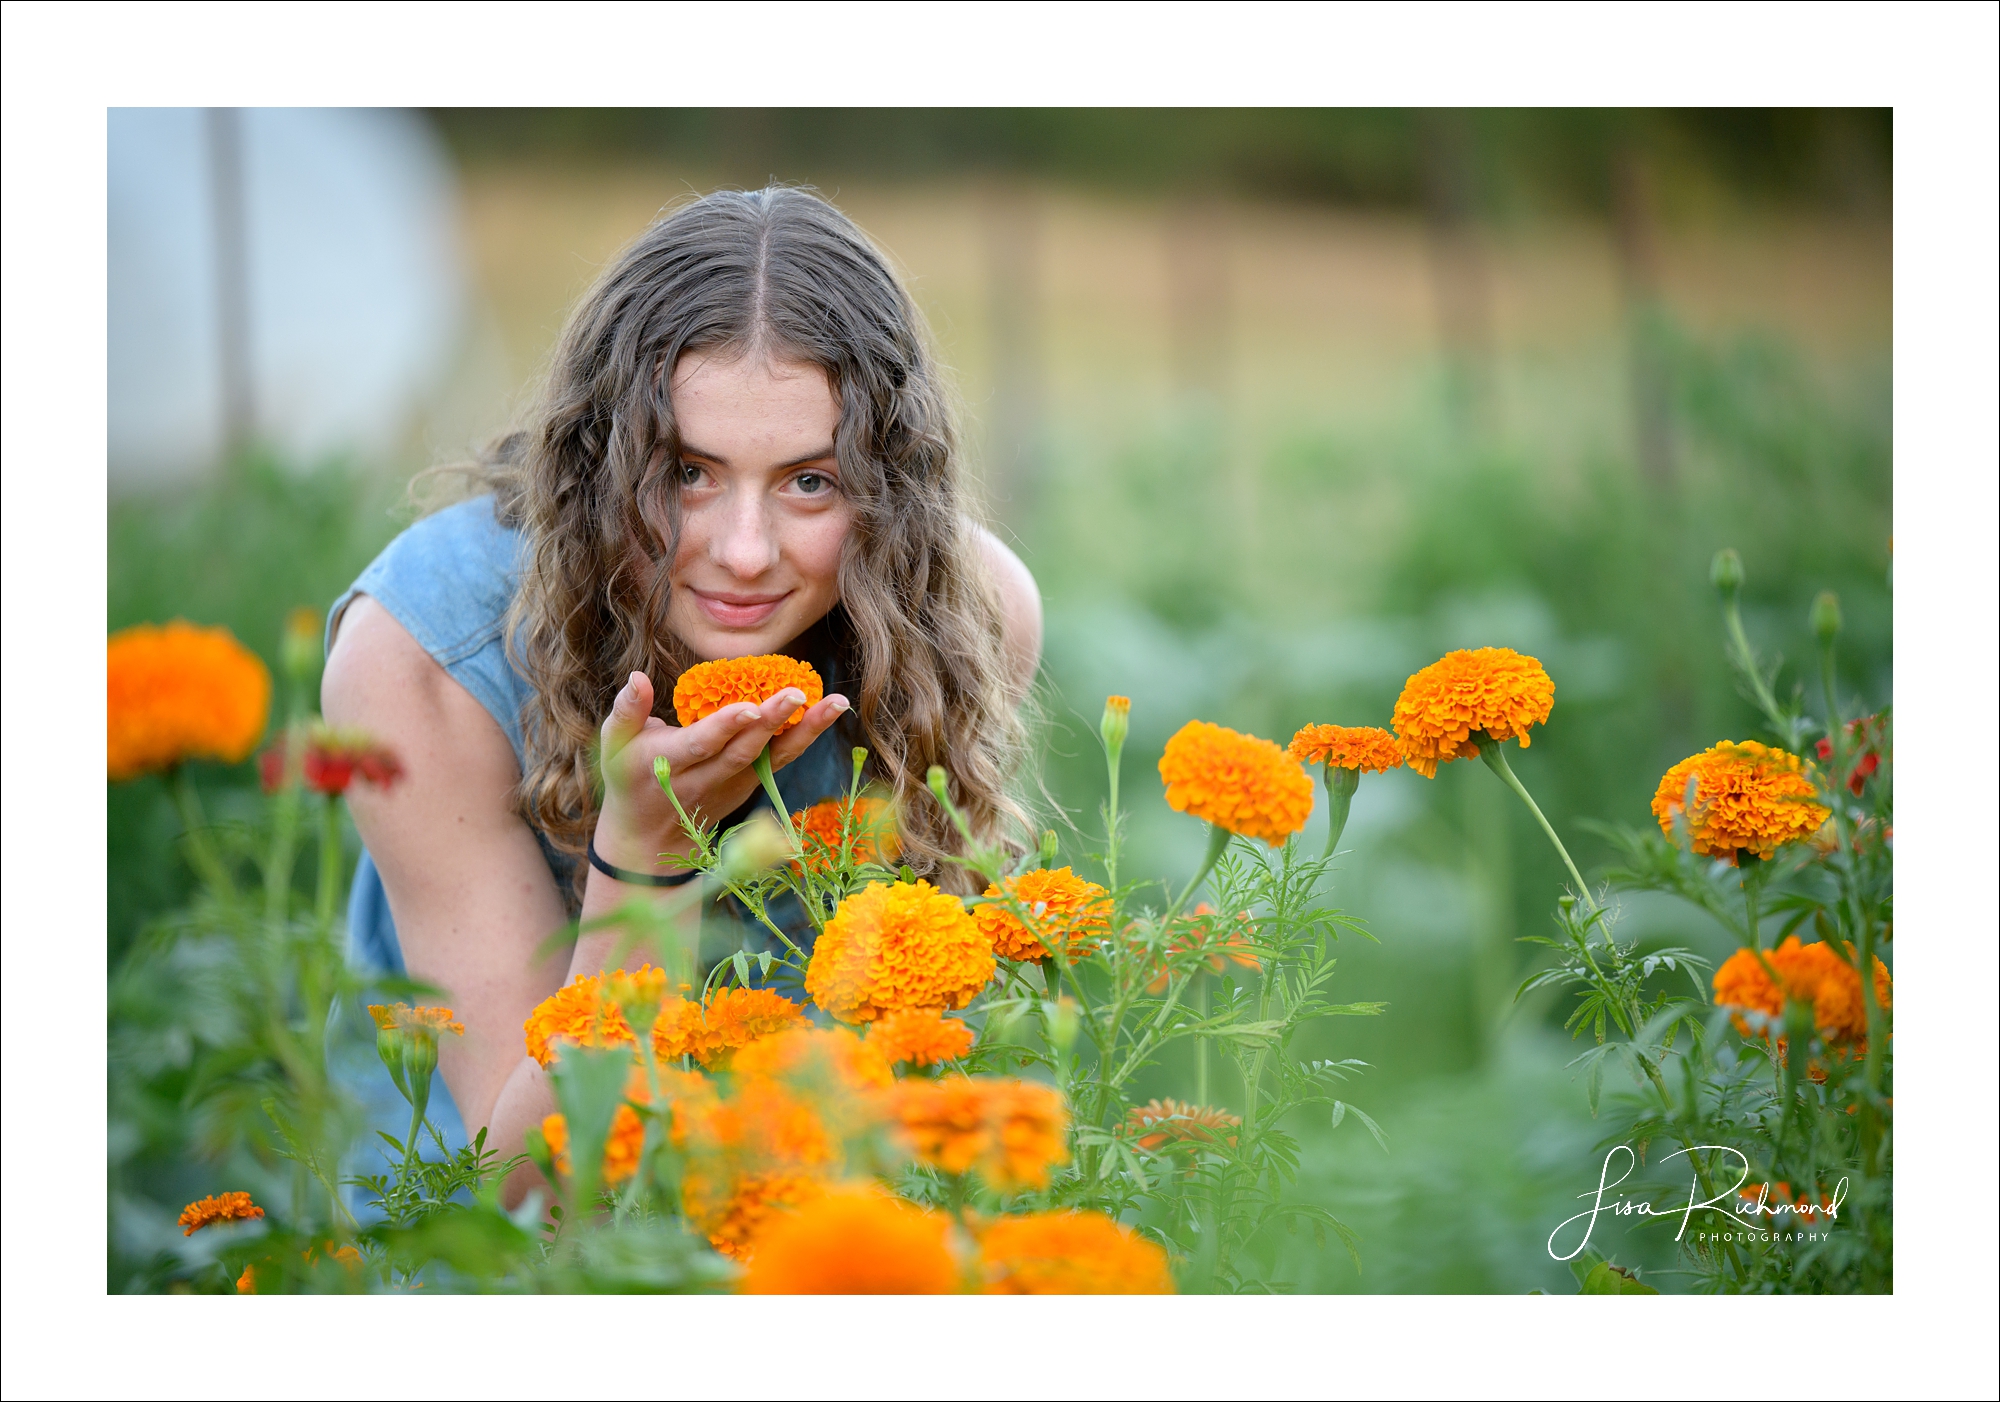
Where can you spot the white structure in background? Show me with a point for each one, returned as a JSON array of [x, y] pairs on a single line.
[[352, 289]]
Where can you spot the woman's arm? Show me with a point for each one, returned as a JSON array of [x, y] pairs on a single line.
[[470, 891]]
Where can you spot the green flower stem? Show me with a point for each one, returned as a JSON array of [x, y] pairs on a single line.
[[202, 855], [1496, 760], [1340, 786], [330, 854], [1201, 1052], [762, 764], [1111, 757], [1218, 840]]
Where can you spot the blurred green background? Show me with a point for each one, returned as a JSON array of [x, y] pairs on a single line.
[[1278, 406]]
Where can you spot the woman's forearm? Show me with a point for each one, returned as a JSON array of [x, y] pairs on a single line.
[[525, 1100]]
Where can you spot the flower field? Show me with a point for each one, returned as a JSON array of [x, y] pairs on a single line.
[[943, 1095]]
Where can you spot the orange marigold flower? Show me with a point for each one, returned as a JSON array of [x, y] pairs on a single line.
[[1070, 1253], [1816, 973], [1065, 909], [797, 1096], [401, 1017], [1492, 691], [331, 760], [246, 1284], [730, 1018], [229, 1207], [1236, 781], [707, 687], [622, 1148], [1012, 1132], [1197, 931], [1365, 747], [591, 1012], [924, 1036], [734, 1218], [814, 1052], [579, 1013], [1747, 798], [1158, 1121], [898, 945], [853, 1241], [181, 692], [871, 833]]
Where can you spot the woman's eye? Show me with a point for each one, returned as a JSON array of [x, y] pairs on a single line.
[[690, 475], [811, 483]]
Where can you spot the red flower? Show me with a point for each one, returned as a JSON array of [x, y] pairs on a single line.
[[331, 760], [1867, 731]]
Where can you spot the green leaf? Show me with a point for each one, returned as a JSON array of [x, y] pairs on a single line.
[[1340, 1112], [1245, 1031], [1607, 1279], [590, 1086]]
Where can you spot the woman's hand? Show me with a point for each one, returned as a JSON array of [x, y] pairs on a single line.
[[711, 765]]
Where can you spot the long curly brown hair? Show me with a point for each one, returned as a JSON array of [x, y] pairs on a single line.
[[591, 481]]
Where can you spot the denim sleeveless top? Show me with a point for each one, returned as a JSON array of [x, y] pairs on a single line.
[[448, 580]]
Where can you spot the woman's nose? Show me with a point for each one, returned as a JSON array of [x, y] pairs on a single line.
[[745, 544]]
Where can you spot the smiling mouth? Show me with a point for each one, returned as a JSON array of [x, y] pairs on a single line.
[[739, 610]]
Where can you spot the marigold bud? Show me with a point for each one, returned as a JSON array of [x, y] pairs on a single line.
[[758, 845], [1825, 616], [1117, 722], [1725, 572], [301, 649]]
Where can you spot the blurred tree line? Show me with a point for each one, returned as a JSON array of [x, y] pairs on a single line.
[[1497, 160]]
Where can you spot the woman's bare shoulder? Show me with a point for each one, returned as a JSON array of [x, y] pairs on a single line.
[[379, 679], [1020, 606]]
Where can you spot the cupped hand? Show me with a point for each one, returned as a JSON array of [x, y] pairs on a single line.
[[711, 766]]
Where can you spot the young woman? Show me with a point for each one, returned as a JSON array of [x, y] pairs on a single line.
[[744, 447]]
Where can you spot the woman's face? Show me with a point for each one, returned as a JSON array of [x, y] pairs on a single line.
[[763, 513]]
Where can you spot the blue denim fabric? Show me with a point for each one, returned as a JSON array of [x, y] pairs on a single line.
[[448, 580]]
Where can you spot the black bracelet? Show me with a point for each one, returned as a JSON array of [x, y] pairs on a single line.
[[637, 878]]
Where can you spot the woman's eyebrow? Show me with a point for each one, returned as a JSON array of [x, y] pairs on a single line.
[[689, 450]]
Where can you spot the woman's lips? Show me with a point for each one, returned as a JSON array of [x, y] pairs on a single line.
[[739, 610]]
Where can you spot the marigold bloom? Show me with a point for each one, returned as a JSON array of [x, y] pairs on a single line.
[[331, 761], [246, 1284], [228, 1207], [1197, 931], [622, 1147], [924, 1036], [854, 1064], [401, 1017], [732, 1220], [1065, 910], [1816, 973], [1158, 1121], [853, 1241], [178, 693], [898, 945], [587, 1012], [1070, 1253], [871, 833], [730, 1019], [707, 687], [1493, 691], [796, 1097], [1747, 798], [1236, 781], [1365, 747], [1012, 1132]]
